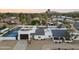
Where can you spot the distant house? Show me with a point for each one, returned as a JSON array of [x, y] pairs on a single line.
[[51, 21], [11, 20], [36, 18], [70, 20], [57, 18]]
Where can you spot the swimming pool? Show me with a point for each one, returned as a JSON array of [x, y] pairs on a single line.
[[76, 25], [12, 33]]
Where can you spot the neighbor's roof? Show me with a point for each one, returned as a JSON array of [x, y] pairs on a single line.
[[59, 33]]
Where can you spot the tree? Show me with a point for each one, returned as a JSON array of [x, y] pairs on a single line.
[[23, 18], [29, 19], [43, 22], [67, 35]]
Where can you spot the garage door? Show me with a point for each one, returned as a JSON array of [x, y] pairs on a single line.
[[24, 36]]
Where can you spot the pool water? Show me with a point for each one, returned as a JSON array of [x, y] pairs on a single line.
[[76, 25], [12, 33]]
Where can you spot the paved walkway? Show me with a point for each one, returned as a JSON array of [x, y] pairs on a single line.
[[21, 45], [72, 26]]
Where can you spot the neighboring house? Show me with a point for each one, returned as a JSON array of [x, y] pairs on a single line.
[[51, 21], [36, 18], [70, 20], [76, 19]]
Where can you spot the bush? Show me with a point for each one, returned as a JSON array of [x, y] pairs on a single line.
[[35, 22], [43, 22], [4, 26]]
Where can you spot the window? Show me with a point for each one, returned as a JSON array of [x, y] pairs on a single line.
[[56, 38], [61, 38], [49, 36], [39, 37], [24, 36]]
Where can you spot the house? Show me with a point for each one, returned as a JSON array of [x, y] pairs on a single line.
[[43, 32], [37, 33], [36, 18], [52, 21]]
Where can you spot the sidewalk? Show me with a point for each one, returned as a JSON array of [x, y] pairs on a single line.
[[21, 45]]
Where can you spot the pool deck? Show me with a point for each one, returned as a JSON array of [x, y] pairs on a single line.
[[21, 45], [50, 45], [7, 44], [37, 45]]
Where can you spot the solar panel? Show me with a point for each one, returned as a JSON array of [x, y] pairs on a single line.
[[59, 33], [39, 31]]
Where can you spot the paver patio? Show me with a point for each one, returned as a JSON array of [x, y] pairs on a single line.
[[21, 45]]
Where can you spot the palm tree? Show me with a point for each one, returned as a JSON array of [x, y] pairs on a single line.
[[22, 18]]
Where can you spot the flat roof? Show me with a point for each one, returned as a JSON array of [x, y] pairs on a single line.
[[60, 33], [25, 29], [39, 31]]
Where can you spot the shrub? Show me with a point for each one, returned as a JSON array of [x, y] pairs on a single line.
[[35, 22], [4, 26]]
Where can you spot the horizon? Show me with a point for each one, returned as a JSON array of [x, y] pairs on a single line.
[[22, 10], [36, 10], [65, 10]]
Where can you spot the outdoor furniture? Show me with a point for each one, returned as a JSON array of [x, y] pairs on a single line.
[[68, 40], [56, 40], [61, 39]]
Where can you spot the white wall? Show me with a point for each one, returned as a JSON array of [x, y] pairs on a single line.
[[41, 37], [48, 33], [77, 38], [7, 38]]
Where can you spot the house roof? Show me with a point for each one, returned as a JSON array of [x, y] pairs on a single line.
[[39, 31], [32, 34], [60, 33], [42, 27]]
